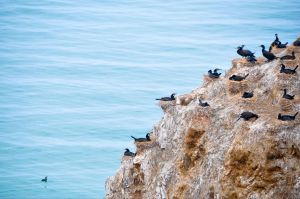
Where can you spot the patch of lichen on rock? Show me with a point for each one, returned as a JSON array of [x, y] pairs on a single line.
[[259, 168]]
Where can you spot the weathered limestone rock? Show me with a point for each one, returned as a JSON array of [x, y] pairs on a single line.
[[204, 152]]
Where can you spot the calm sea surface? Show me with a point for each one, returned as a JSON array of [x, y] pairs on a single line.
[[78, 78]]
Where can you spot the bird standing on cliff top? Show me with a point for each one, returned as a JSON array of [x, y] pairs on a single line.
[[280, 45], [297, 42], [129, 153], [287, 117], [238, 78], [247, 95], [287, 70], [270, 56], [214, 74], [142, 139], [289, 57], [247, 116], [203, 104], [171, 98], [287, 96], [244, 53], [276, 41]]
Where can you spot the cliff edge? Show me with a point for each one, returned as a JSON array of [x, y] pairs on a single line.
[[204, 152]]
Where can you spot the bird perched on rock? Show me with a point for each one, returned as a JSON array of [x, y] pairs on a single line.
[[287, 117], [287, 70], [142, 139], [203, 104], [244, 53], [238, 78], [45, 179], [270, 56], [287, 96], [289, 57], [270, 48], [251, 59], [276, 41], [247, 115], [297, 42], [171, 98], [247, 95], [214, 74], [129, 153], [280, 45]]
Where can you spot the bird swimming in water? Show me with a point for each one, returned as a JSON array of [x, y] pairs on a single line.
[[142, 139], [270, 56], [44, 179], [287, 70], [168, 98], [287, 96], [129, 153], [247, 115], [214, 74], [280, 45], [289, 57], [203, 104], [244, 53], [238, 78], [247, 95], [287, 117]]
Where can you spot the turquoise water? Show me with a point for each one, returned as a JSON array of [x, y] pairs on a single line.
[[78, 78]]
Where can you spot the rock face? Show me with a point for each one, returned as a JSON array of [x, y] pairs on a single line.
[[206, 152]]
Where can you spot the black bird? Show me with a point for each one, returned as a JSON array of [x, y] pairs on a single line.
[[204, 104], [238, 78], [45, 179], [168, 98], [287, 117], [251, 59], [287, 96], [214, 74], [244, 53], [129, 153], [280, 45], [287, 70], [247, 115], [289, 57], [247, 95], [270, 48], [276, 38], [270, 56], [276, 41], [142, 139], [297, 42]]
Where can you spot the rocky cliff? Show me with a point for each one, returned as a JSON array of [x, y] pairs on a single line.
[[204, 152]]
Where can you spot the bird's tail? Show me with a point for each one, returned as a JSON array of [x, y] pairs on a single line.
[[246, 76], [157, 99], [296, 114], [133, 137], [295, 68], [237, 120]]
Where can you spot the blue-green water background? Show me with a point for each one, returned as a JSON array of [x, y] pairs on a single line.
[[78, 78]]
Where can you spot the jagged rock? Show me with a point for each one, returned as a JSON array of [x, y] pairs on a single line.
[[198, 152]]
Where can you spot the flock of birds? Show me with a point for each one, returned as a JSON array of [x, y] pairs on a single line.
[[250, 57]]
